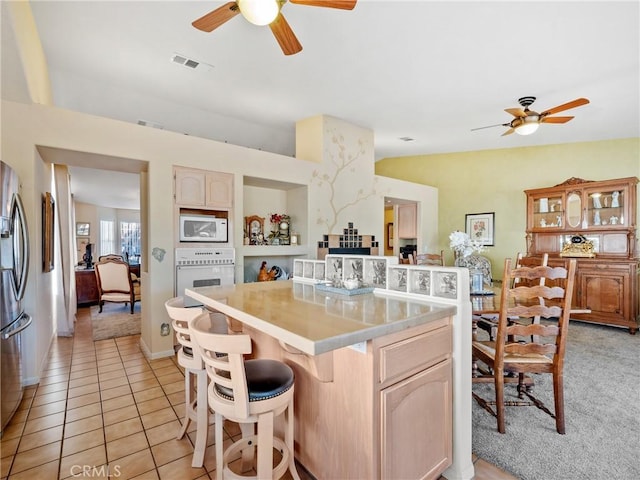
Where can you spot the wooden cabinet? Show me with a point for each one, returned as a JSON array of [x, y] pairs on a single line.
[[86, 287], [427, 393], [408, 220], [604, 214], [201, 188], [388, 404]]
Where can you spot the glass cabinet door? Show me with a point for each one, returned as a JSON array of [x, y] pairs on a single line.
[[605, 208], [548, 211]]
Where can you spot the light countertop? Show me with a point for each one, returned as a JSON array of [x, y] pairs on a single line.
[[315, 321]]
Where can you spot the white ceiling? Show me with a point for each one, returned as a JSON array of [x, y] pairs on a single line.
[[428, 70]]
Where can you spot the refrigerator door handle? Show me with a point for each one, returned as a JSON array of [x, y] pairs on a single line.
[[17, 211], [23, 321]]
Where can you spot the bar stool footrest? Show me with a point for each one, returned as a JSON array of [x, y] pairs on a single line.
[[232, 453]]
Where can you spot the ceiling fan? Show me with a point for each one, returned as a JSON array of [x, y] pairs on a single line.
[[266, 12], [527, 121]]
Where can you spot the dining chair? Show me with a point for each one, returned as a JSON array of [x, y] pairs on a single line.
[[115, 283], [252, 393], [514, 350], [489, 323], [430, 258]]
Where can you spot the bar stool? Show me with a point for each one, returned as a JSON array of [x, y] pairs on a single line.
[[247, 392], [196, 405]]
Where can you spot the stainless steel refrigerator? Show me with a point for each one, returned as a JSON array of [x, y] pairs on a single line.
[[14, 266]]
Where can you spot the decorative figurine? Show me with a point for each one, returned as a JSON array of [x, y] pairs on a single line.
[[267, 276], [615, 202]]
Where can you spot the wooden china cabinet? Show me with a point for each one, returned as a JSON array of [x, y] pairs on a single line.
[[599, 218]]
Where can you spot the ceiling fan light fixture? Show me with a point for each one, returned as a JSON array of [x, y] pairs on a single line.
[[259, 12], [528, 125]]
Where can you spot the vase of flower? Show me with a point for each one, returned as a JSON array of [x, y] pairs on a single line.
[[463, 246]]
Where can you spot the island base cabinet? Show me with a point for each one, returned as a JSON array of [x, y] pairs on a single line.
[[405, 418], [383, 412]]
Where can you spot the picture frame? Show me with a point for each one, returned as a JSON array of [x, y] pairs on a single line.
[[481, 227], [48, 232], [83, 229], [390, 235]]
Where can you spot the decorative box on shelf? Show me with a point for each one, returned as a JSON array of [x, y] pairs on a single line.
[[310, 271], [423, 280], [369, 270]]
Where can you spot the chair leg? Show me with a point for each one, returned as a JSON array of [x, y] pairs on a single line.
[[558, 396], [100, 303], [219, 446], [288, 439], [202, 415], [188, 394], [499, 387], [265, 446], [246, 464]]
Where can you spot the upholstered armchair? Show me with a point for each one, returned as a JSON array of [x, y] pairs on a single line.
[[115, 283], [114, 256]]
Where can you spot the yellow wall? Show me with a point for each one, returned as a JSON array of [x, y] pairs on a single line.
[[494, 181]]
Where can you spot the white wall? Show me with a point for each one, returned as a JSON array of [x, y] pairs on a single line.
[[28, 126]]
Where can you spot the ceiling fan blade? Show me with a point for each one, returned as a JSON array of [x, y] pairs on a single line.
[[285, 36], [341, 4], [555, 119], [516, 112], [566, 106], [491, 126], [508, 132], [217, 17]]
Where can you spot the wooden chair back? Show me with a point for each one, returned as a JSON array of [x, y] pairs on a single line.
[[530, 261], [110, 256], [430, 258], [535, 347], [180, 318], [223, 356]]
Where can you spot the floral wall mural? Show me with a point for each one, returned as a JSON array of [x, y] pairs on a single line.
[[345, 178]]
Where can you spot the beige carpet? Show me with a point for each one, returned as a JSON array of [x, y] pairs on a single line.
[[116, 320]]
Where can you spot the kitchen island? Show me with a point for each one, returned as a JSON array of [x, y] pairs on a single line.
[[377, 375]]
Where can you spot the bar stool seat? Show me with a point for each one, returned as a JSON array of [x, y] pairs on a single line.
[[196, 404], [247, 392]]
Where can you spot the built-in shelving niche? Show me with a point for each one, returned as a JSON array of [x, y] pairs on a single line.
[[262, 197]]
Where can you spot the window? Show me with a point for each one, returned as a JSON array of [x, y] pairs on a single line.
[[130, 241], [107, 237]]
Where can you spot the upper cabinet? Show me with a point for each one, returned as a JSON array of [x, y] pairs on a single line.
[[408, 220], [201, 188], [603, 212]]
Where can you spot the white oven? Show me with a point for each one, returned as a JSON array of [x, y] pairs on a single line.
[[202, 267]]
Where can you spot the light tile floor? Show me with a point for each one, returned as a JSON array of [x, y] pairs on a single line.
[[102, 410]]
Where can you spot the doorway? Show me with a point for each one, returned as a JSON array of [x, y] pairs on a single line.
[[401, 226]]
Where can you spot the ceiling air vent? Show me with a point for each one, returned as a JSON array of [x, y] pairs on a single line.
[[147, 123], [190, 62]]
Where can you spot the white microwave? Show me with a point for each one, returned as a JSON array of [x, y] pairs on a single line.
[[203, 228]]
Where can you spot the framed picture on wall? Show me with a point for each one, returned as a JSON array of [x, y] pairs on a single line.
[[48, 220], [82, 229], [480, 227], [390, 235]]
